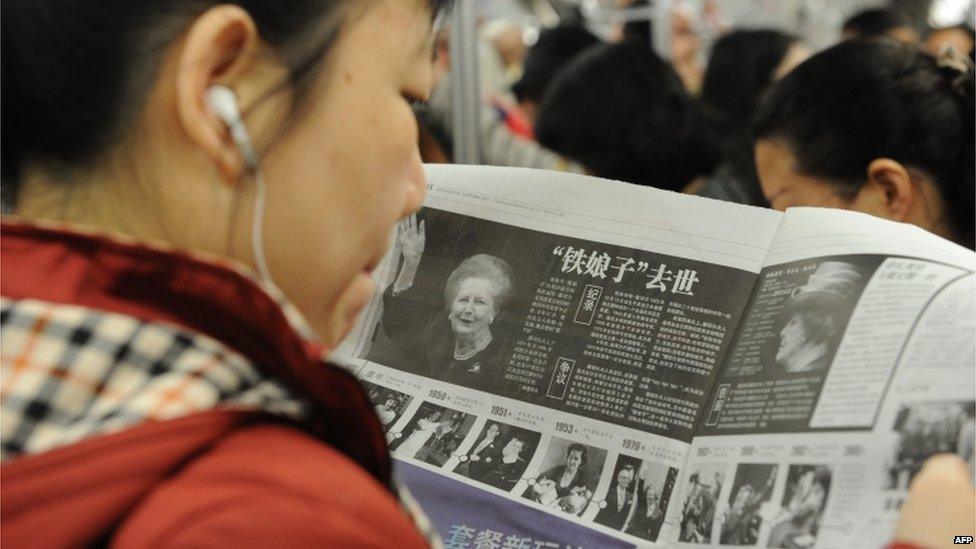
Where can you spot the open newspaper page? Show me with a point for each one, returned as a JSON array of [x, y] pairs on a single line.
[[543, 345], [853, 364]]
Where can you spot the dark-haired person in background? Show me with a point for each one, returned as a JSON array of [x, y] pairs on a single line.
[[743, 64], [685, 44], [553, 50], [157, 390], [878, 23], [623, 113], [505, 130], [873, 126]]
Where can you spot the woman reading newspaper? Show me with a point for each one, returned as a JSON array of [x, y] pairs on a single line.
[[200, 192], [157, 390], [888, 130], [876, 127]]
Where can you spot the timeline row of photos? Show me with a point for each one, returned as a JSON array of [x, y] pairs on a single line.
[[747, 513], [747, 504], [566, 481]]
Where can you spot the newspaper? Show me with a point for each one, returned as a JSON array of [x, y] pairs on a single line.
[[564, 361]]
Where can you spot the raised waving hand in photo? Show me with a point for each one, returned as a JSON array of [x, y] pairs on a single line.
[[410, 241]]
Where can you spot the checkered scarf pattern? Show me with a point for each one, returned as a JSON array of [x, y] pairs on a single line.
[[69, 372]]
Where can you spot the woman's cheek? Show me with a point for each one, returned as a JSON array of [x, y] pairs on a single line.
[[353, 300], [407, 153]]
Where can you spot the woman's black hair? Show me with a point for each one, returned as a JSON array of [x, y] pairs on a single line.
[[867, 99], [555, 48], [74, 72], [740, 69], [639, 29], [577, 447], [622, 112], [874, 22]]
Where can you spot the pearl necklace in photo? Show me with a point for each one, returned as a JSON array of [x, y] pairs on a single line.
[[472, 352]]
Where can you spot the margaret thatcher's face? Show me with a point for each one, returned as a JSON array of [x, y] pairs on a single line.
[[652, 497], [473, 308], [349, 168], [792, 338]]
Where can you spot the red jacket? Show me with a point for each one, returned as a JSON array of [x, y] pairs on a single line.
[[221, 477]]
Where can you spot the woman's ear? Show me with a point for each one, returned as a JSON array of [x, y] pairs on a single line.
[[889, 191], [217, 48]]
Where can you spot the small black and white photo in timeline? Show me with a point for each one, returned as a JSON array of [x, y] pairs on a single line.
[[568, 475], [699, 502], [389, 404], [499, 456], [433, 434], [796, 524], [652, 494], [751, 488], [619, 499], [927, 428]]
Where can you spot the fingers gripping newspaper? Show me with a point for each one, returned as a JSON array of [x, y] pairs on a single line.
[[563, 361]]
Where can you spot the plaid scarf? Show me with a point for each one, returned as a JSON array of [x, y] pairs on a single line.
[[69, 372]]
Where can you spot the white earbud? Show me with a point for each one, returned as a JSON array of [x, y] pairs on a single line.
[[223, 101]]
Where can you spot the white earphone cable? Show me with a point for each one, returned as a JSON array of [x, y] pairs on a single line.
[[257, 227]]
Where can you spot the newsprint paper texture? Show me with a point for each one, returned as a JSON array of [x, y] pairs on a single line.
[[564, 361]]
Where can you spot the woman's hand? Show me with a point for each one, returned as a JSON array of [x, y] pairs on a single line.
[[410, 241], [941, 504]]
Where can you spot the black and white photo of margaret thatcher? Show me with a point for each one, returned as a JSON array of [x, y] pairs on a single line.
[[461, 343], [815, 317]]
